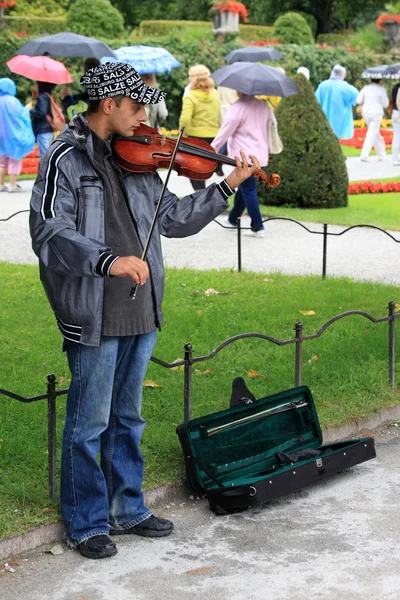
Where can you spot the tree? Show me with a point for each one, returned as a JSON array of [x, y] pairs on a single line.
[[95, 18], [311, 165], [134, 12], [330, 14]]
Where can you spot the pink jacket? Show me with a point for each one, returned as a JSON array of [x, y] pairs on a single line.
[[245, 128]]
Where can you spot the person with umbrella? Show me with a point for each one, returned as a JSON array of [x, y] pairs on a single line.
[[246, 128], [16, 135], [41, 116], [89, 223], [336, 97]]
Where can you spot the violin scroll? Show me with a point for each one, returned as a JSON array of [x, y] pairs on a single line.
[[271, 181]]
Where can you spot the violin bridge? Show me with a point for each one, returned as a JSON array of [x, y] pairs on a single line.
[[162, 141]]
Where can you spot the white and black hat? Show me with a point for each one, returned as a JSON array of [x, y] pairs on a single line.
[[119, 79]]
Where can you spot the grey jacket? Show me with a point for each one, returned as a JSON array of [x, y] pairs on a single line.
[[68, 230]]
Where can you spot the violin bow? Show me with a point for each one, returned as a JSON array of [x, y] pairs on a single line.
[[146, 246]]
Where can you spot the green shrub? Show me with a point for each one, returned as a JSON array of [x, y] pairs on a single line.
[[320, 61], [37, 26], [9, 44], [95, 18], [311, 20], [368, 37], [292, 28], [311, 165]]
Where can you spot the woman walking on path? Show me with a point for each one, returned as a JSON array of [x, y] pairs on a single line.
[[41, 124], [16, 135], [200, 114], [245, 128], [373, 100]]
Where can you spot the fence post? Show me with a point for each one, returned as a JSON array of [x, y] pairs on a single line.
[[324, 249], [187, 388], [299, 354], [392, 322], [51, 434], [239, 240]]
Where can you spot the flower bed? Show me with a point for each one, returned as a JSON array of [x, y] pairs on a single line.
[[372, 187], [30, 164], [361, 123], [359, 136]]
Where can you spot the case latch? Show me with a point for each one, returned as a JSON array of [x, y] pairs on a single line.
[[319, 462]]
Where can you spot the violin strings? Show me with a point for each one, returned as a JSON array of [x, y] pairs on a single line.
[[206, 154]]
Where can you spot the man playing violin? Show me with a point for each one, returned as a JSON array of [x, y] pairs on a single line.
[[89, 222]]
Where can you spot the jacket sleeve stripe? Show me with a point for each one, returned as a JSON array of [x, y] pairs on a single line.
[[225, 189], [50, 188]]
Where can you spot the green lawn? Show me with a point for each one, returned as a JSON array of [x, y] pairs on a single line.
[[346, 368], [351, 151], [382, 210]]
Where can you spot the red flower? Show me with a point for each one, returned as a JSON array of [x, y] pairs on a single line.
[[383, 19], [234, 7]]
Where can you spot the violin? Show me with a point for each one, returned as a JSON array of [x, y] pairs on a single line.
[[149, 150]]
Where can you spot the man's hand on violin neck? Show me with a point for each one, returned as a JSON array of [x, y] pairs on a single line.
[[243, 171], [131, 266]]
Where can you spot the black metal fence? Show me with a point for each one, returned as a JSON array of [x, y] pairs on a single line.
[[325, 233], [189, 360]]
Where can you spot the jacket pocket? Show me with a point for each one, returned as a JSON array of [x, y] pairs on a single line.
[[90, 218]]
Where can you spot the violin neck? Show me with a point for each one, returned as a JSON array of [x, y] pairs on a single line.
[[220, 158]]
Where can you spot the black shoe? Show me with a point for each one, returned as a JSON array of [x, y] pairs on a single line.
[[98, 546], [151, 527]]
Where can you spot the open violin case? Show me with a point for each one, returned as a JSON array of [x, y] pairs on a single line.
[[260, 449]]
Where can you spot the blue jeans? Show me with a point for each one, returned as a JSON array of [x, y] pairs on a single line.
[[246, 197], [103, 416], [44, 140]]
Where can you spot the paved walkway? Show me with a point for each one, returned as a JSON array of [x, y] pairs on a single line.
[[362, 254], [338, 539]]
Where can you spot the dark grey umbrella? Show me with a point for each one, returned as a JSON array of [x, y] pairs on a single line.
[[66, 44], [253, 54], [255, 79]]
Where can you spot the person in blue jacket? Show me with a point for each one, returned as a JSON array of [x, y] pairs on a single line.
[[16, 135], [41, 125], [336, 98]]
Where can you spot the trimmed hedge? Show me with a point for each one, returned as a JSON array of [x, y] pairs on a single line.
[[95, 18], [311, 165], [292, 28], [198, 29], [37, 25]]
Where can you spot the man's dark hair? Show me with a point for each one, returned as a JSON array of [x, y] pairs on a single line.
[[90, 63], [94, 105]]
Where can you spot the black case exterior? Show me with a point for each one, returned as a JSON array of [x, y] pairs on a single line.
[[226, 493]]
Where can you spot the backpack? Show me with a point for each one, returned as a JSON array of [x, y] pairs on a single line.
[[56, 120]]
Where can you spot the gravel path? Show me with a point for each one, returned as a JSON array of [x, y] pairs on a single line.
[[362, 254]]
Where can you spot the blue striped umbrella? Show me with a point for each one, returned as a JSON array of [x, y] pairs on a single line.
[[145, 59]]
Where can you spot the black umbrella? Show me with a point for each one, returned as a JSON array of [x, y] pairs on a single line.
[[65, 45], [255, 79], [253, 54]]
